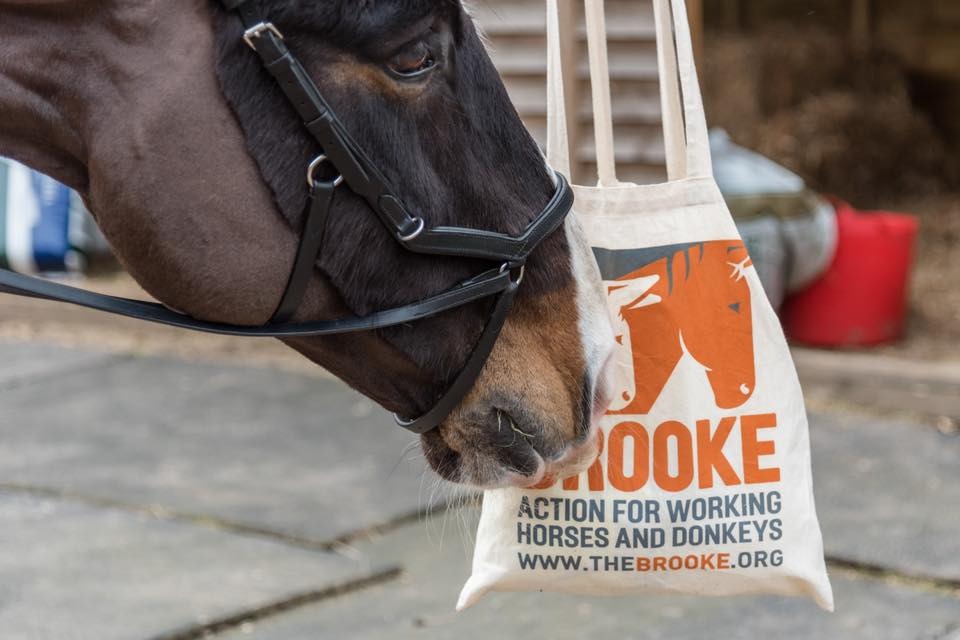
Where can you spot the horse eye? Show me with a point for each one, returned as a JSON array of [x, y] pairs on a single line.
[[413, 61]]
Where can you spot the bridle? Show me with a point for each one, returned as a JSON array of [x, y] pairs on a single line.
[[355, 171]]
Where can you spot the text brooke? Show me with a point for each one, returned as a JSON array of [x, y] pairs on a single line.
[[674, 456]]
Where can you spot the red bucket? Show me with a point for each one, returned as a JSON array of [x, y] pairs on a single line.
[[862, 298]]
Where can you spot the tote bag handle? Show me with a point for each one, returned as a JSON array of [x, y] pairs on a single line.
[[600, 92], [558, 143], [684, 124], [681, 102], [671, 109]]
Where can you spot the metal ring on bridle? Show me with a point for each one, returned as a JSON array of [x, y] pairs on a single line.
[[413, 234], [403, 422], [506, 267], [319, 160]]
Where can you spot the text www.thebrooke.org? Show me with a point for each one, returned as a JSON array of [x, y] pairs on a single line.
[[689, 562]]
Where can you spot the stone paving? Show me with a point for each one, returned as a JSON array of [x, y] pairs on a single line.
[[72, 571], [149, 498]]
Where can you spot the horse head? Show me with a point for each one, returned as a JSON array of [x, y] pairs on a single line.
[[717, 319], [193, 164], [688, 298]]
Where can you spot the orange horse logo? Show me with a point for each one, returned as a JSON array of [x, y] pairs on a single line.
[[686, 298]]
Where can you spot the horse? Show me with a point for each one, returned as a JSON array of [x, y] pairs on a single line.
[[687, 298], [191, 161]]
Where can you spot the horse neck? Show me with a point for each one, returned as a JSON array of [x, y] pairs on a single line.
[[119, 100], [65, 73], [38, 126]]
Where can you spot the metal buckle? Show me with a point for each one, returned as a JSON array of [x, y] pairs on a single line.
[[413, 234], [256, 30], [312, 168]]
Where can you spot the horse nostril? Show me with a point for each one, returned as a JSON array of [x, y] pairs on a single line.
[[506, 425], [514, 444]]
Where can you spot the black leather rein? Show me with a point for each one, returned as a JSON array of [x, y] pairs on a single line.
[[360, 175]]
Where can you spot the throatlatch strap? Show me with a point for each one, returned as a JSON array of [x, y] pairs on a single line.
[[311, 241]]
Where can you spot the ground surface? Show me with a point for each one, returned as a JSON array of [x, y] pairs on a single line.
[[223, 490]]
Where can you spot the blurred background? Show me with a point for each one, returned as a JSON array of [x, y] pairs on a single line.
[[160, 484], [857, 99]]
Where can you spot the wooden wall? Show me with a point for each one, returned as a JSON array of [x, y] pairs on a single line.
[[924, 33], [515, 30]]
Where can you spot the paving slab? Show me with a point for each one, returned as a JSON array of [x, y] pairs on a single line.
[[888, 493], [880, 383], [72, 572], [420, 605], [299, 454], [308, 457], [25, 363]]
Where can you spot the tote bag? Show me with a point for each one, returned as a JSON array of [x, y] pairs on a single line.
[[703, 483]]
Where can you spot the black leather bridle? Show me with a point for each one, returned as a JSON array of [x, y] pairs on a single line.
[[354, 170]]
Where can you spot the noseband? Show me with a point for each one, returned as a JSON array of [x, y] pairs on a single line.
[[354, 170]]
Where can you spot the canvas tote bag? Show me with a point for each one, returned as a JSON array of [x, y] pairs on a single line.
[[703, 483]]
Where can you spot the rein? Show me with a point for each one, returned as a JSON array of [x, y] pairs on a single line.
[[358, 173]]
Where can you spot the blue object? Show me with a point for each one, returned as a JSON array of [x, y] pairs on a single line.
[[34, 221], [50, 231]]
